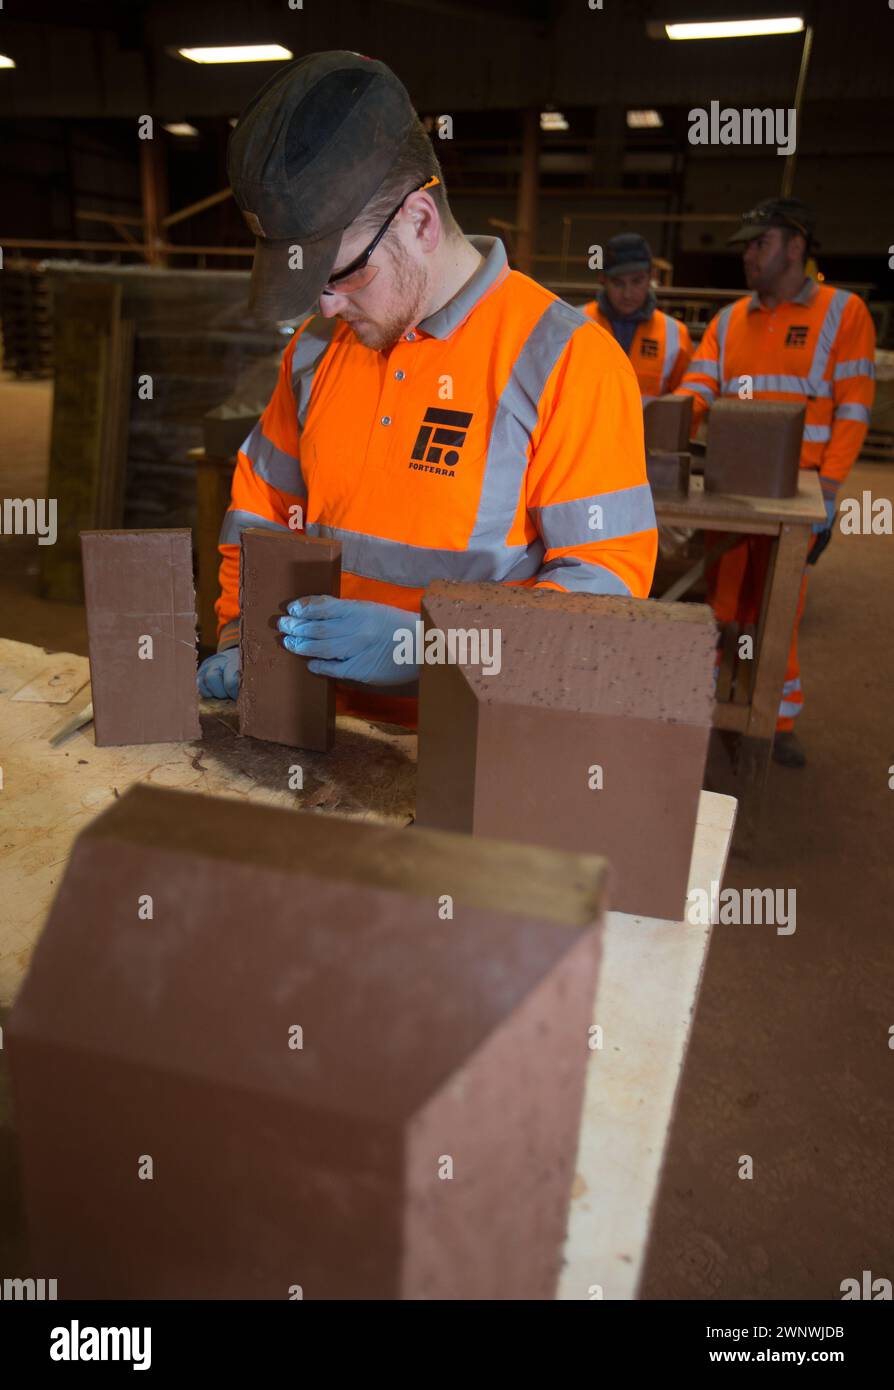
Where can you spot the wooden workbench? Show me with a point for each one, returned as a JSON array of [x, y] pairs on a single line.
[[749, 693], [651, 970]]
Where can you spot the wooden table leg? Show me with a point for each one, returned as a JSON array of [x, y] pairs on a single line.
[[778, 607], [213, 478]]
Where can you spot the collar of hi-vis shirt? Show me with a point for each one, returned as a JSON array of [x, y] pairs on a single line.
[[492, 271], [804, 296]]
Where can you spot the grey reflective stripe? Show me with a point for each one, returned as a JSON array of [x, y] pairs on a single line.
[[788, 710], [705, 367], [583, 578], [851, 410], [857, 366], [827, 335], [624, 512], [776, 381], [275, 466], [514, 422], [705, 391], [235, 522], [789, 687], [671, 348], [817, 434], [309, 351], [416, 566], [722, 325]]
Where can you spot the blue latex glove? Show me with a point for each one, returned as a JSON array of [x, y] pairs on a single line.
[[831, 504], [218, 675], [349, 639]]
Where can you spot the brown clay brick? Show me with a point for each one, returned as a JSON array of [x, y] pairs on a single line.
[[424, 1037], [139, 584], [666, 424], [668, 472], [279, 699], [625, 685], [754, 447]]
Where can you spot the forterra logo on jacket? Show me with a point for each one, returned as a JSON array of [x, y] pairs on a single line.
[[441, 436]]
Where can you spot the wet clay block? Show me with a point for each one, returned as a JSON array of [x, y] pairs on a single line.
[[279, 699], [666, 424], [428, 1041], [668, 472], [138, 585], [754, 448], [586, 682]]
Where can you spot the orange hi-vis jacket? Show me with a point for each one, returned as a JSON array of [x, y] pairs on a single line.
[[818, 348], [500, 440], [660, 351]]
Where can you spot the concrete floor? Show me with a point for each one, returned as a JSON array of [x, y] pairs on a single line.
[[789, 1061]]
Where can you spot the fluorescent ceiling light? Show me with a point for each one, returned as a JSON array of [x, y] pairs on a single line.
[[238, 53], [6, 62], [553, 120], [181, 128], [643, 120], [735, 28]]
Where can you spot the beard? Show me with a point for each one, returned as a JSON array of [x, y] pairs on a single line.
[[410, 291], [765, 278]]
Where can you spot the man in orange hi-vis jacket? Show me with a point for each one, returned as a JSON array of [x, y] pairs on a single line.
[[659, 346], [438, 414], [792, 339]]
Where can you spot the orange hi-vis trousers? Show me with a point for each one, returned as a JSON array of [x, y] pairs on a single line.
[[735, 590]]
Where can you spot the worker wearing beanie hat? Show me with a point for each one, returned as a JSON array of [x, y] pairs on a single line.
[[658, 346]]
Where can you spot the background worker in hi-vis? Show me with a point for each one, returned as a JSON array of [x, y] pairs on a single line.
[[791, 339], [441, 416], [659, 346]]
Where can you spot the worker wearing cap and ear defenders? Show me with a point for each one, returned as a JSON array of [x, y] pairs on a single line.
[[659, 346], [441, 416], [792, 339]]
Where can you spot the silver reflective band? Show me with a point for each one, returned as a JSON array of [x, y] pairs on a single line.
[[722, 325], [671, 349], [416, 566], [817, 434], [852, 410], [827, 334], [623, 513], [705, 367], [514, 422], [788, 385], [277, 468], [236, 521], [582, 578], [857, 366]]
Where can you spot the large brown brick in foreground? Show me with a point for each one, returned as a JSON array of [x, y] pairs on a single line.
[[586, 682], [139, 584], [279, 698], [430, 1038]]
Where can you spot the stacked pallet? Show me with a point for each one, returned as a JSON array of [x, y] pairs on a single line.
[[26, 320], [192, 344], [93, 351]]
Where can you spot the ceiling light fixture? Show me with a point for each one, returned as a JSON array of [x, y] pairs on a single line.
[[735, 28], [238, 53]]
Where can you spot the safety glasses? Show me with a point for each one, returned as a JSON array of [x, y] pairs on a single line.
[[359, 273]]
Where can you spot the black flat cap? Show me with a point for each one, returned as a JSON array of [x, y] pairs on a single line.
[[308, 153]]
